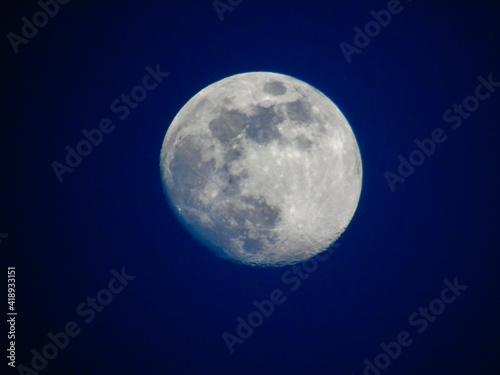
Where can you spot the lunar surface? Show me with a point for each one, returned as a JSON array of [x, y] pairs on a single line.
[[262, 168]]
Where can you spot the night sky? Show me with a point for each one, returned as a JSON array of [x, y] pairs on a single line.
[[411, 286]]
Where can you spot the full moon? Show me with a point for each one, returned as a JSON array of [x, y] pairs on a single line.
[[262, 168]]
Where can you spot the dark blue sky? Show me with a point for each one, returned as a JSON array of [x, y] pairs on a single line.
[[66, 238]]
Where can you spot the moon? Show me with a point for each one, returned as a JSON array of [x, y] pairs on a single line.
[[262, 168]]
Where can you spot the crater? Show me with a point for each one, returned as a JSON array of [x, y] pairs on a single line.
[[299, 111], [189, 172], [227, 125], [358, 167], [275, 88], [303, 142], [261, 214], [234, 153], [263, 126], [256, 224], [230, 181]]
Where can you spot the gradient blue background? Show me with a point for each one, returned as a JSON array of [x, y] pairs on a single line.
[[65, 238]]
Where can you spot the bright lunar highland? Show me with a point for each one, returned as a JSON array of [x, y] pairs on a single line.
[[262, 168]]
